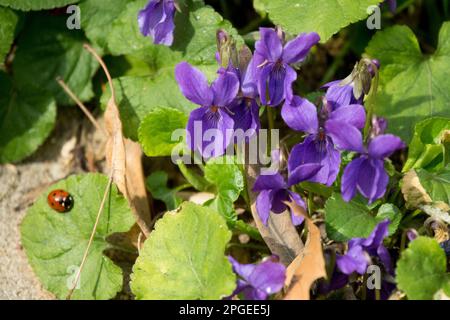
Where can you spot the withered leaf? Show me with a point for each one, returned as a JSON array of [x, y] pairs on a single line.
[[309, 265]]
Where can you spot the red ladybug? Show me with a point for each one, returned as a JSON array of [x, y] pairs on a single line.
[[60, 200]]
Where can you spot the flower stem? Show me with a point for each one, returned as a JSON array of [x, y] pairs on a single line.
[[271, 124]]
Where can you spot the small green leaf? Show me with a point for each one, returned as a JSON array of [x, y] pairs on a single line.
[[27, 118], [437, 184], [27, 5], [427, 149], [421, 270], [326, 17], [346, 220], [47, 50], [155, 131], [224, 173], [8, 23], [184, 258], [55, 242], [157, 185], [388, 210], [413, 86]]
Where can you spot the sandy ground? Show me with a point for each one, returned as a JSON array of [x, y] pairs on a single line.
[[20, 185]]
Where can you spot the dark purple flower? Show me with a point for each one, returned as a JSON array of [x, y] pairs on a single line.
[[366, 173], [328, 132], [156, 21], [272, 58], [245, 109], [360, 251], [274, 191], [258, 281], [392, 5], [213, 113], [446, 246]]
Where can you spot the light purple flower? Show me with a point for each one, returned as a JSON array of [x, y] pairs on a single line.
[[340, 93], [156, 21], [327, 133], [360, 251], [258, 281], [213, 113], [366, 173], [273, 59], [379, 126], [274, 191]]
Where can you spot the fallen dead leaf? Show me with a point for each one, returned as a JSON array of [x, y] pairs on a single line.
[[309, 265], [137, 192], [413, 191], [124, 159]]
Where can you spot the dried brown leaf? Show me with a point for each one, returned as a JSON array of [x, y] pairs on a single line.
[[413, 191], [309, 265], [124, 159], [137, 192]]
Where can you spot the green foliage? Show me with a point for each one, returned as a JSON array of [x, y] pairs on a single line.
[[27, 5], [97, 18], [8, 23], [427, 148], [184, 258], [421, 270], [155, 131], [157, 185], [55, 242], [437, 184], [48, 50], [346, 220], [326, 17], [26, 119], [413, 86], [225, 175]]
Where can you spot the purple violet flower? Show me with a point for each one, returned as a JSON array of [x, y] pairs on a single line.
[[274, 191], [341, 93], [258, 281], [360, 250], [328, 132], [213, 113], [156, 21], [273, 59], [245, 109], [366, 173]]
